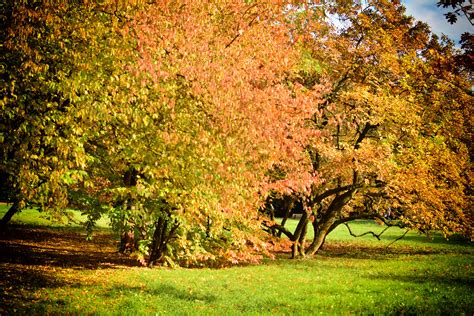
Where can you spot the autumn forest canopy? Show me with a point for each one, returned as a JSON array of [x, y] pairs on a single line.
[[184, 121]]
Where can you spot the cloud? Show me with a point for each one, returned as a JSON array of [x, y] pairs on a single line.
[[427, 11]]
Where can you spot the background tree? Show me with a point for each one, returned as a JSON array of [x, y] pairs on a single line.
[[41, 144]]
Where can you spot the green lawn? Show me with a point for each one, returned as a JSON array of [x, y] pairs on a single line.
[[350, 276], [431, 284], [33, 217]]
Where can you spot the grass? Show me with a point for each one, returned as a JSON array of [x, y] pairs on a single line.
[[33, 217], [325, 285], [388, 239], [416, 275]]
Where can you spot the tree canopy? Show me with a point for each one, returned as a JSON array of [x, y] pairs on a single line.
[[177, 119]]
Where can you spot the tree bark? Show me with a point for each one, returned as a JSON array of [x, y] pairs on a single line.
[[161, 237], [299, 235], [321, 230], [302, 239], [325, 225], [15, 208], [288, 212]]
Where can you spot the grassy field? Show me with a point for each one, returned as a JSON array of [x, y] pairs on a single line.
[[44, 272]]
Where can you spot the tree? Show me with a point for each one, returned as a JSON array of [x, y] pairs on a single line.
[[460, 8], [175, 113], [41, 145], [392, 138], [176, 119]]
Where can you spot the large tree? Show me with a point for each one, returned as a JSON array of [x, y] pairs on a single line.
[[168, 117], [394, 128], [175, 118]]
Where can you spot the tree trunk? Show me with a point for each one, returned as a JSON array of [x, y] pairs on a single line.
[[288, 212], [15, 208], [320, 232], [302, 239], [323, 227], [128, 244], [299, 236], [161, 237]]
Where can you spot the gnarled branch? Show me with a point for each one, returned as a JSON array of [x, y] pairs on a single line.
[[367, 233]]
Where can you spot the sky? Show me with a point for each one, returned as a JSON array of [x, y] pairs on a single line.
[[427, 11]]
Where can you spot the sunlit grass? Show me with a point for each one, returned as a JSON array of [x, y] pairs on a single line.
[[431, 284], [417, 275], [33, 217]]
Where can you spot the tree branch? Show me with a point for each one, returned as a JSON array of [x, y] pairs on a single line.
[[364, 133], [328, 193], [367, 233], [280, 228], [398, 238], [372, 216]]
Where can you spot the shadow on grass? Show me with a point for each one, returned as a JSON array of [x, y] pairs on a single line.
[[170, 291], [355, 250], [436, 238], [39, 246], [31, 256], [454, 298], [442, 307], [427, 277], [374, 251], [18, 286]]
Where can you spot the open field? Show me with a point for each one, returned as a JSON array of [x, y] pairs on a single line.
[[53, 270]]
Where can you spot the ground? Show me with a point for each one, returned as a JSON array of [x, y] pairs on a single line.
[[30, 258], [54, 270]]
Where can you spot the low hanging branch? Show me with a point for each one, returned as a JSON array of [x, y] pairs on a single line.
[[387, 223], [406, 232], [275, 226], [367, 233]]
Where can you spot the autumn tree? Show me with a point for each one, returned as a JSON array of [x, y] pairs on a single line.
[[40, 144], [460, 8], [169, 116], [393, 128], [176, 118]]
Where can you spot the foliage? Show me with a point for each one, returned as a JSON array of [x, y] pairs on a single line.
[[154, 113], [177, 118], [393, 130], [459, 7]]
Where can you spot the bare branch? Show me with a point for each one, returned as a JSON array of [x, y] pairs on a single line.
[[406, 232], [367, 233], [372, 216], [279, 228]]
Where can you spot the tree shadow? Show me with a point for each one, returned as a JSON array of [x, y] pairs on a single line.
[[437, 238], [173, 292], [31, 256], [18, 286], [381, 252], [353, 250], [427, 277], [60, 248], [436, 302]]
